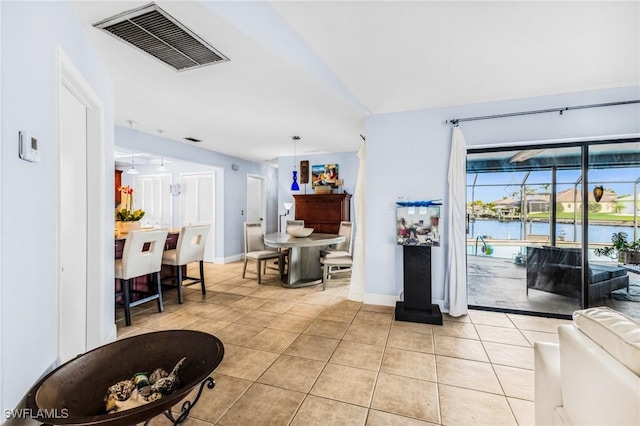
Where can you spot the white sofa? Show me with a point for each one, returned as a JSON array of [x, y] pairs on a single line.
[[592, 376]]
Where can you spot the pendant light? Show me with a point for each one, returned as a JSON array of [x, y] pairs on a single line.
[[132, 170], [161, 167], [294, 184], [598, 191]]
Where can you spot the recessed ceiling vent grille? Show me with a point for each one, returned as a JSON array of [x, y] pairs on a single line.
[[158, 34]]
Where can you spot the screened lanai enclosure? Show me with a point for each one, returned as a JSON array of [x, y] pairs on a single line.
[[537, 217]]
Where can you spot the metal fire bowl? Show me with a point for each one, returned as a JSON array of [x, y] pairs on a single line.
[[81, 384]]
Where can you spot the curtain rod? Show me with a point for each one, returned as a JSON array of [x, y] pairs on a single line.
[[455, 121]]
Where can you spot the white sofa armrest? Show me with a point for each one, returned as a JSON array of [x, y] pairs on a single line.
[[596, 388], [547, 391]]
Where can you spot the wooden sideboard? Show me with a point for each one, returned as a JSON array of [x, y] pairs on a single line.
[[323, 212]]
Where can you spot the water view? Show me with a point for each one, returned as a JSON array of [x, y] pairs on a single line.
[[495, 229]]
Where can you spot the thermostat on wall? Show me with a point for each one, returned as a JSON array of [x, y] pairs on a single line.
[[29, 147]]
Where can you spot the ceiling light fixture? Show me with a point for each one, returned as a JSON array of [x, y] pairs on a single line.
[[524, 155], [294, 184], [161, 167], [132, 170]]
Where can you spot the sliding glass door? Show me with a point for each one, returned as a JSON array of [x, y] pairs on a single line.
[[527, 213], [613, 214]]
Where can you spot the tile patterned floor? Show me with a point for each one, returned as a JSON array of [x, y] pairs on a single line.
[[308, 357]]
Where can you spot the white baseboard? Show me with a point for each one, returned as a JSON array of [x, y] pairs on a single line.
[[380, 299], [112, 336], [230, 259]]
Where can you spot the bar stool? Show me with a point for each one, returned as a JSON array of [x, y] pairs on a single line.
[[141, 255], [189, 249]]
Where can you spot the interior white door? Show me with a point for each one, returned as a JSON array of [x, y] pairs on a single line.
[[153, 195], [198, 205], [72, 287], [256, 207]]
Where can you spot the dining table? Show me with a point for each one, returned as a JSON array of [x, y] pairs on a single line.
[[304, 256]]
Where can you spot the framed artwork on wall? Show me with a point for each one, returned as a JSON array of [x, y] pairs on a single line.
[[324, 175], [304, 171]]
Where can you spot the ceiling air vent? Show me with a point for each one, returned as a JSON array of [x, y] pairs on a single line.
[[190, 139], [158, 34]]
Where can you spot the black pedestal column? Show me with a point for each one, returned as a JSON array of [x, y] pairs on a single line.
[[417, 306]]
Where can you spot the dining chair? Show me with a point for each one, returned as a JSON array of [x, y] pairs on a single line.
[[141, 255], [343, 264], [344, 248], [189, 249], [255, 249]]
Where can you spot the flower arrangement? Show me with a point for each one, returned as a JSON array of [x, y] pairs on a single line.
[[127, 214]]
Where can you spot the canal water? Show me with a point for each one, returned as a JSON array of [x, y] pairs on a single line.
[[513, 230]]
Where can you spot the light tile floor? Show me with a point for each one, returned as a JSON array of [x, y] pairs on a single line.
[[308, 357]]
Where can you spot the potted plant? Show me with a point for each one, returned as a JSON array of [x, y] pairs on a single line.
[[127, 218], [627, 253]]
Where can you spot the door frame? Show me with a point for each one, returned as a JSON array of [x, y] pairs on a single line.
[[214, 220], [100, 301], [171, 202], [584, 145], [263, 198]]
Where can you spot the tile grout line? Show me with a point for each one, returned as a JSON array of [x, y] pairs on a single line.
[[312, 320]]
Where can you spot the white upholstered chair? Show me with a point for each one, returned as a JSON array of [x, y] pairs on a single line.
[[255, 249], [189, 249], [343, 264], [344, 248], [141, 255], [340, 257]]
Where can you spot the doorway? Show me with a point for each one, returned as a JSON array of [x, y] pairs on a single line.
[[154, 197], [198, 205], [256, 202], [535, 226], [85, 298], [73, 225]]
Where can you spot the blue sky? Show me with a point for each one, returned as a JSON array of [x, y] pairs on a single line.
[[510, 182]]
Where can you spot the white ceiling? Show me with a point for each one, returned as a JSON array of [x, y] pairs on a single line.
[[316, 69]]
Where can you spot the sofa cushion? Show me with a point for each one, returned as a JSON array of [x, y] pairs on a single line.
[[614, 332], [614, 271], [597, 275]]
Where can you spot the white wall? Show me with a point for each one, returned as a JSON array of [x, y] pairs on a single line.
[[31, 32], [1, 206], [408, 155], [234, 182], [347, 162]]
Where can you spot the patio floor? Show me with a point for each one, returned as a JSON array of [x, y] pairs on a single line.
[[500, 283]]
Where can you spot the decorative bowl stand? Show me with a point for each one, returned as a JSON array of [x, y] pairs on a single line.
[[73, 393], [187, 405]]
